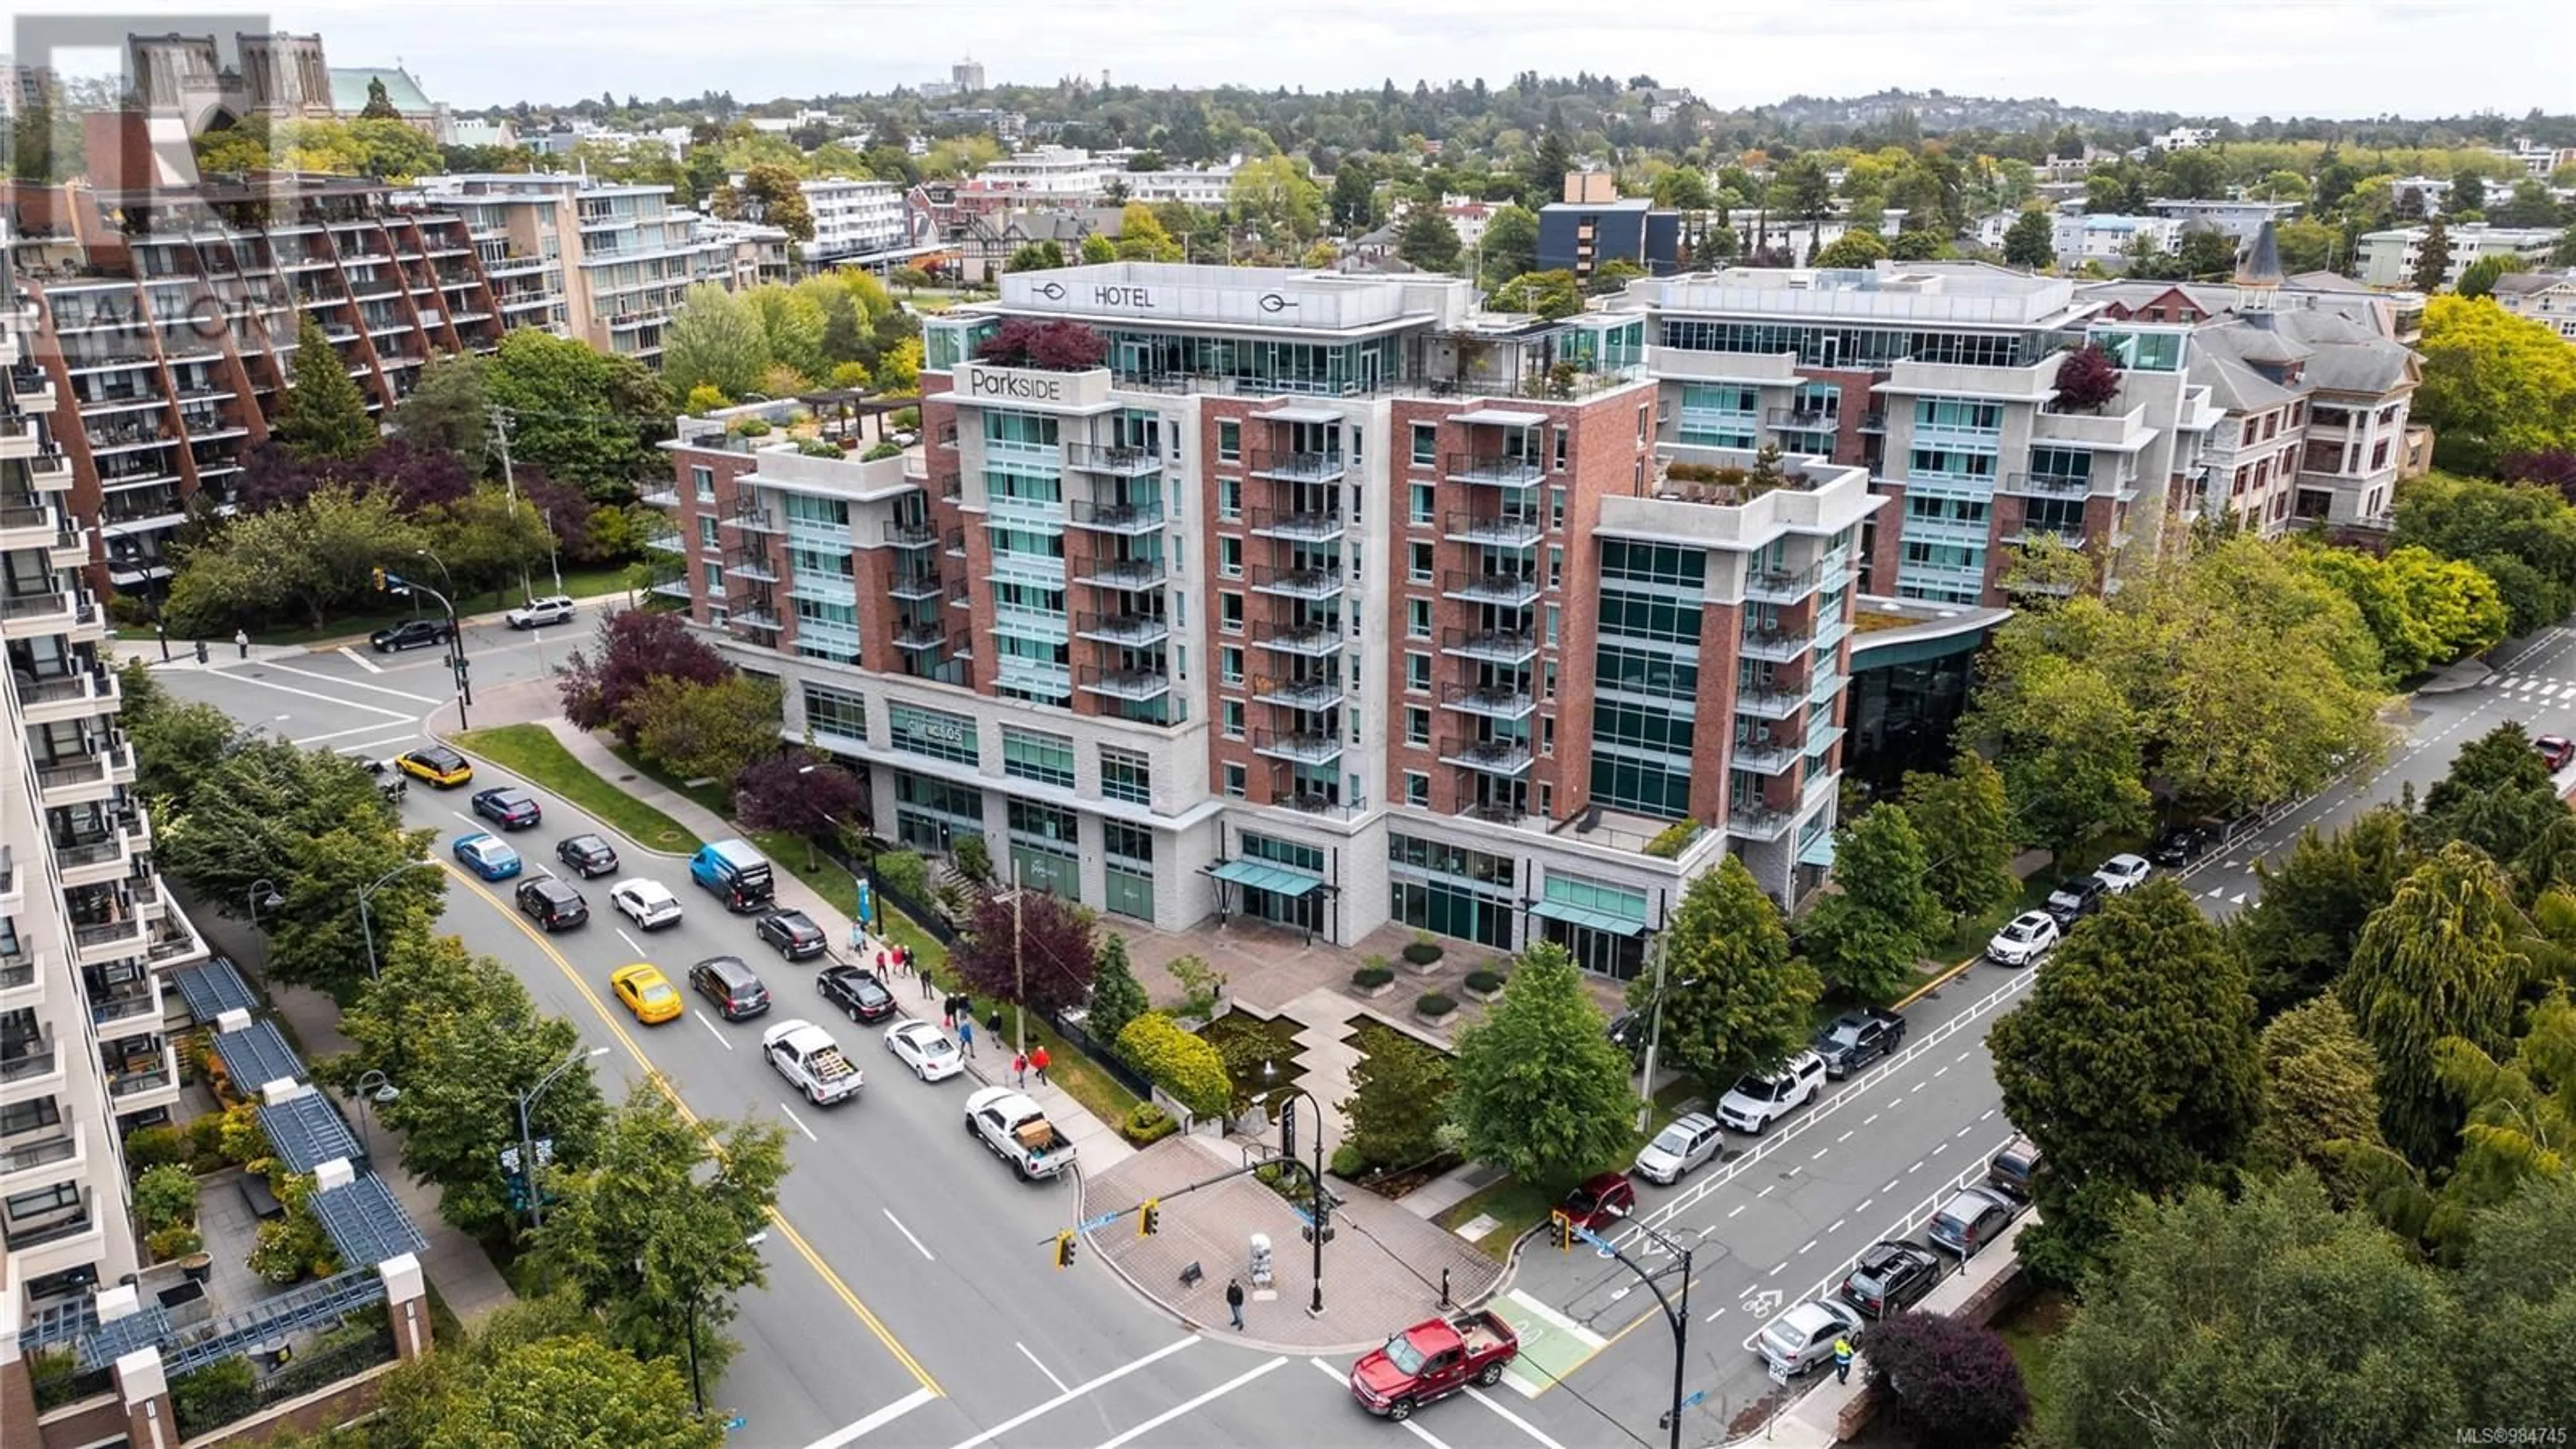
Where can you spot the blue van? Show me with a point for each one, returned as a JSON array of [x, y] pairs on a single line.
[[736, 873]]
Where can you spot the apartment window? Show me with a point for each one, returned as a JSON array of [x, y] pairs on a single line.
[[1547, 673], [1556, 567], [1229, 440], [837, 712], [1556, 508], [1229, 557], [714, 573], [1560, 447], [1229, 664], [1229, 613], [1030, 755], [1229, 498], [1423, 495], [1426, 444], [1645, 422], [1234, 778], [1417, 618], [705, 480], [1417, 725], [1417, 789], [20, 1117], [1547, 734], [1417, 673], [2271, 426], [1417, 564], [929, 732], [2379, 455], [707, 537], [1233, 718], [1125, 775]]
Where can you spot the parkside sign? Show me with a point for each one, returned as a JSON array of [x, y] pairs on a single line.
[[1034, 387]]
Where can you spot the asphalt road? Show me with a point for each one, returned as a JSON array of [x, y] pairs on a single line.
[[912, 1298]]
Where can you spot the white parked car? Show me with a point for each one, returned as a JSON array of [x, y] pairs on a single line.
[[648, 904], [1688, 1142], [537, 613], [1754, 1103], [925, 1049], [2024, 939], [2122, 874]]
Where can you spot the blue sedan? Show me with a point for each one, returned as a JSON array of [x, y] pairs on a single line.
[[487, 856]]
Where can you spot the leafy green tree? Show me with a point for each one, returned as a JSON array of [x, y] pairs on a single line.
[[2496, 796], [1918, 246], [1354, 197], [1965, 819], [2320, 1101], [2134, 1066], [2437, 961], [792, 326], [1734, 1002], [322, 417], [2520, 535], [1275, 194], [1142, 236], [715, 341], [2311, 907], [177, 745], [488, 540], [1043, 256], [2522, 1109], [1801, 189], [2478, 278], [302, 563], [2210, 1317], [2031, 241], [2206, 254], [1428, 240], [1548, 295], [2421, 608], [459, 1035], [1856, 249], [1683, 189], [2520, 1276], [1097, 249], [1869, 935], [450, 411], [1117, 998], [1399, 1100], [537, 1375], [2494, 383], [707, 731], [2067, 745], [581, 415], [317, 938], [1542, 1092], [652, 1232]]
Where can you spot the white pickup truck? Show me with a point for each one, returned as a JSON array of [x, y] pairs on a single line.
[[811, 1061], [1011, 1124]]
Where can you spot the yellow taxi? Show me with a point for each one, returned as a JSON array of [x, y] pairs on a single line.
[[438, 765], [646, 992]]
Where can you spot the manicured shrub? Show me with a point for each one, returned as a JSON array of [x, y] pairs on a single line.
[[1673, 839], [165, 1197], [1422, 950], [150, 1147], [1147, 1123], [1189, 1069], [1369, 978], [1435, 1004], [1484, 981]]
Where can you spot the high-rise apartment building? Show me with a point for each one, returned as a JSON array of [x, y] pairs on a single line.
[[167, 324], [2389, 258], [598, 262], [1940, 380], [855, 221], [87, 927], [1322, 599]]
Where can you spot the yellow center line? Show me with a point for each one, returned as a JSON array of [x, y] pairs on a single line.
[[787, 1230]]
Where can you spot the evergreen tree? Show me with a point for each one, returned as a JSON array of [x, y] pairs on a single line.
[[2312, 906], [2030, 241], [1428, 240], [2437, 961], [1116, 996], [323, 417], [2433, 259]]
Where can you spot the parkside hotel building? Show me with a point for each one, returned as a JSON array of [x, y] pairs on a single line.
[[1333, 601]]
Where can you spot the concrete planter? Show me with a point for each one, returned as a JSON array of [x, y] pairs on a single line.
[[1423, 1013], [1475, 994], [1372, 992]]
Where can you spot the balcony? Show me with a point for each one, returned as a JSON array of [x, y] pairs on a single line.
[[1318, 526], [1296, 467], [29, 1059], [1505, 588], [750, 568], [1510, 529], [142, 1074], [1297, 748], [906, 534], [1498, 470], [1800, 420], [1494, 646], [1303, 640], [1828, 683], [1494, 812], [753, 520], [1488, 701], [94, 860], [915, 584], [1126, 684], [1119, 518], [79, 781], [50, 470], [1753, 820], [757, 620], [36, 1163], [28, 521], [918, 637], [1489, 756], [1769, 704], [31, 388], [18, 437], [1762, 757], [1133, 631], [1128, 575], [1775, 646], [1314, 585], [2048, 485], [1112, 461], [1873, 421], [1301, 692], [133, 1001], [1782, 586]]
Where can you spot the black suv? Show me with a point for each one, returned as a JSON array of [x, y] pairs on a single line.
[[552, 904], [2179, 845], [1857, 1038], [509, 807], [1891, 1277], [410, 634], [588, 855], [860, 995], [2076, 897], [726, 981], [793, 933]]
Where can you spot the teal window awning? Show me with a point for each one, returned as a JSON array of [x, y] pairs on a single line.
[[1257, 875], [1819, 851], [1588, 918]]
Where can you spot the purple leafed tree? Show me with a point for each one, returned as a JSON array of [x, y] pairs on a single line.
[[565, 508], [799, 791], [2086, 380], [2549, 467], [1055, 948], [272, 478], [418, 477], [1956, 1384], [633, 647], [1054, 346]]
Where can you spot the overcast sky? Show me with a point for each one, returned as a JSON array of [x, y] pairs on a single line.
[[2235, 57]]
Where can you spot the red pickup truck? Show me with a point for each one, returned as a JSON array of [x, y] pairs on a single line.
[[1432, 1360]]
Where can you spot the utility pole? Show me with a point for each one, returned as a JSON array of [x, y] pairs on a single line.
[[1019, 968], [1654, 1039], [510, 486]]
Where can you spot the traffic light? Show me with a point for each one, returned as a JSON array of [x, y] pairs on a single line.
[[1064, 1249], [1150, 1222], [1564, 1229]]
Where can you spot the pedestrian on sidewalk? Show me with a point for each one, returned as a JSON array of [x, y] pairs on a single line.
[[1843, 1351], [1234, 1301], [948, 1011], [926, 988], [993, 1023], [1020, 1070], [241, 641], [966, 1036], [881, 968], [1038, 1064]]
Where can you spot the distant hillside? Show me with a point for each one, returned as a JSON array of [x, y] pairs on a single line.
[[1936, 111]]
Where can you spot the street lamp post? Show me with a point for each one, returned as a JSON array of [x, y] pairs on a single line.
[[527, 1142], [455, 636], [366, 926], [1675, 1314], [376, 1085], [1288, 1153], [263, 893]]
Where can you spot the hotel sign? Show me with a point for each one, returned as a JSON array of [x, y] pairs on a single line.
[[1099, 294]]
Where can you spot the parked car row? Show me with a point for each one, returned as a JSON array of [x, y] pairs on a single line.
[[1848, 1043], [2033, 934]]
